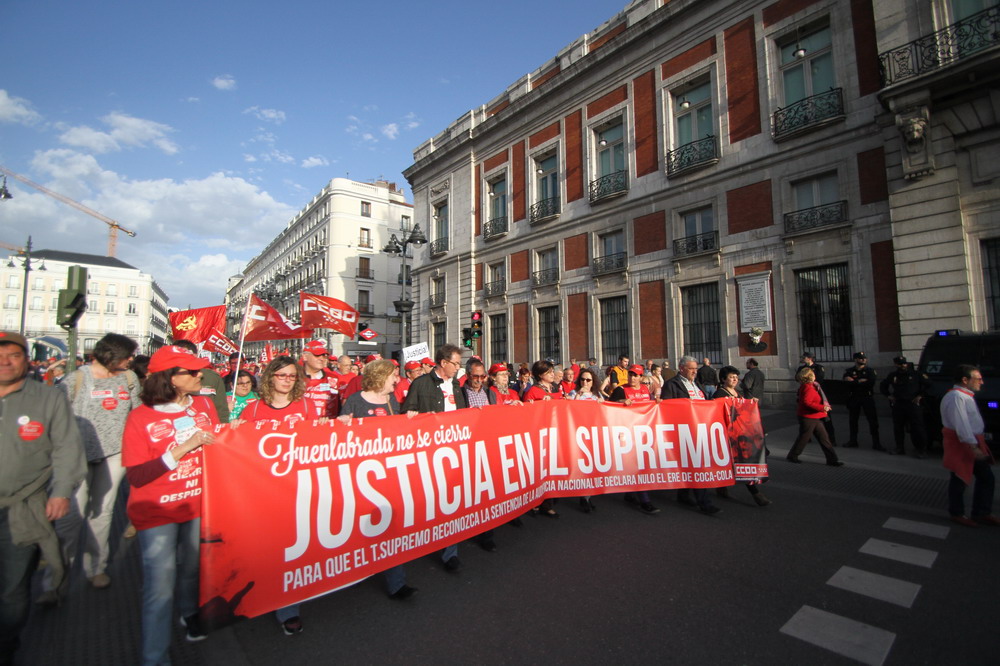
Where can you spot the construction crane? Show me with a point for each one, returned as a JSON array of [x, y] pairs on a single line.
[[114, 226]]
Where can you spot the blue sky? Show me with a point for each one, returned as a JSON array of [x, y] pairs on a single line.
[[204, 126]]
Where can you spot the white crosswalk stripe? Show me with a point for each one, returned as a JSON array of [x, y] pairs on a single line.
[[884, 588], [916, 527], [920, 557], [849, 638]]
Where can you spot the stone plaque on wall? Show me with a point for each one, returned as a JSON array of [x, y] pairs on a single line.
[[755, 302]]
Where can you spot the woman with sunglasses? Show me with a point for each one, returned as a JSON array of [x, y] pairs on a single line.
[[586, 388], [499, 384], [161, 452], [243, 392]]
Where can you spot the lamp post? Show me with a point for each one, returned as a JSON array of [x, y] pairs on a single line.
[[404, 306], [25, 260]]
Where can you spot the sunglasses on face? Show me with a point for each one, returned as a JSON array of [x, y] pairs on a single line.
[[193, 373]]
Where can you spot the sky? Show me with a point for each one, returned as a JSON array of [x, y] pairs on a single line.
[[205, 126]]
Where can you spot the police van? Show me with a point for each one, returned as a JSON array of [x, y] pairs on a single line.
[[943, 353]]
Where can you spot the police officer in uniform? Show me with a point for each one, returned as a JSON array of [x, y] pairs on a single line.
[[809, 361], [906, 388], [861, 384]]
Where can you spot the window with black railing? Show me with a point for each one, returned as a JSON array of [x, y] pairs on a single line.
[[696, 244], [816, 217], [543, 210], [809, 113], [702, 322], [495, 227], [966, 37], [544, 277], [610, 263], [495, 288], [610, 185], [693, 155], [439, 246], [825, 312], [436, 300]]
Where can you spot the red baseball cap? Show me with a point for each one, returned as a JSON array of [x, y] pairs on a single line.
[[372, 357], [426, 361], [317, 347], [394, 362], [498, 367], [412, 365], [169, 357], [637, 369]]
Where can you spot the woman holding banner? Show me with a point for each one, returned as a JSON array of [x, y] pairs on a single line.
[[161, 452], [500, 385], [729, 379], [544, 387], [378, 382], [282, 391]]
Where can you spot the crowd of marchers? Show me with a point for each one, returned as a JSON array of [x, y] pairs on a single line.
[[70, 442]]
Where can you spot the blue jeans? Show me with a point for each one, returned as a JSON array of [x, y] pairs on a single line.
[[16, 566], [169, 560], [395, 579]]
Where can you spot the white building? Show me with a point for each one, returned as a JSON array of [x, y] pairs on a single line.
[[333, 247], [120, 299]]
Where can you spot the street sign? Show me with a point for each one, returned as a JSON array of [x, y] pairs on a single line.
[[368, 334]]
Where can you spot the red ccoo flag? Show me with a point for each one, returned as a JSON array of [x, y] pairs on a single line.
[[197, 325], [326, 312], [265, 323], [218, 342]]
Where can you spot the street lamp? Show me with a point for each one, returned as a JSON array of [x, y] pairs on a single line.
[[404, 306], [25, 260]]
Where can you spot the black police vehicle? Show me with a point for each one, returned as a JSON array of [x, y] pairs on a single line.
[[943, 353]]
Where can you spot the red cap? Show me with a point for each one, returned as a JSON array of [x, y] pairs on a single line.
[[317, 347], [426, 361], [372, 357], [498, 367], [165, 358], [412, 365], [394, 362], [637, 369]]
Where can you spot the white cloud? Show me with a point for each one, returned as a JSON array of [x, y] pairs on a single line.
[[124, 131], [224, 82], [314, 161], [17, 110], [270, 115], [390, 131], [191, 235], [368, 136], [192, 100], [249, 158]]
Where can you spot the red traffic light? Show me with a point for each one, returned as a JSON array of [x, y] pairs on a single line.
[[477, 315]]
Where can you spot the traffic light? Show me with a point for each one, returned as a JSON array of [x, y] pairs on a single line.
[[467, 338], [73, 299], [477, 323]]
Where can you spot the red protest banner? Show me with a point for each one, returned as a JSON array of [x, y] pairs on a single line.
[[265, 323], [326, 312], [218, 342], [197, 325], [341, 503]]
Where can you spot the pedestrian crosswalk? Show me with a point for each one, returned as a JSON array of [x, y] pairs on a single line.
[[855, 639]]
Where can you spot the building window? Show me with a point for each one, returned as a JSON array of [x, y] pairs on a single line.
[[130, 327], [817, 203], [55, 303], [437, 292], [13, 282], [93, 288], [695, 143], [92, 306], [612, 257], [112, 290], [697, 232], [133, 291], [825, 312], [612, 178], [133, 309], [366, 209], [11, 302], [498, 338], [548, 333], [991, 280], [364, 302], [404, 222], [546, 188], [439, 333], [439, 243], [496, 224], [39, 284], [547, 262], [700, 309], [109, 307], [496, 280], [806, 65], [365, 268], [614, 329], [36, 303], [366, 239]]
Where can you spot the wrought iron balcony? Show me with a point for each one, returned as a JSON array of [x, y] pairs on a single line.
[[614, 184], [939, 49], [365, 241], [694, 155], [610, 263], [815, 217], [543, 210], [439, 246], [697, 244], [809, 113], [495, 288], [544, 277], [495, 227], [365, 309], [436, 300], [364, 274]]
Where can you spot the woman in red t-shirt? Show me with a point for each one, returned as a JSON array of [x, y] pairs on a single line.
[[161, 452], [499, 384], [544, 385]]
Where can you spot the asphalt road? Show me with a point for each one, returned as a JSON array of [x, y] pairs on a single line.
[[848, 565]]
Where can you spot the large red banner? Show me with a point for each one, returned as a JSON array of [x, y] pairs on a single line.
[[265, 323], [197, 325], [291, 513], [326, 312]]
